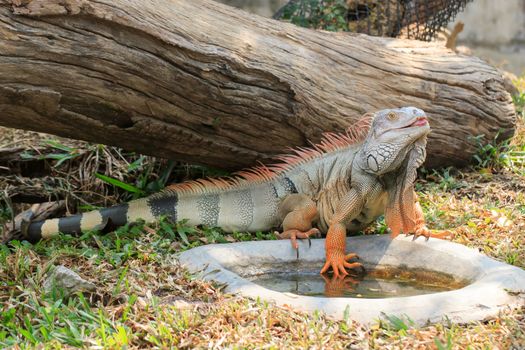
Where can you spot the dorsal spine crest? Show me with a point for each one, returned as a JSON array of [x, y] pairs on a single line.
[[330, 142]]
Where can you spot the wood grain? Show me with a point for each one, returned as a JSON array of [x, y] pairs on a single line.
[[202, 82]]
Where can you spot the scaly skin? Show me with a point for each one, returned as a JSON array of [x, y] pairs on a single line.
[[297, 223], [386, 162], [341, 184]]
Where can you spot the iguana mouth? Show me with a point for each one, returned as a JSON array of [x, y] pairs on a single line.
[[420, 121]]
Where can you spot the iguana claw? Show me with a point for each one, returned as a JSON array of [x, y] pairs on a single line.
[[425, 232], [339, 262], [293, 235]]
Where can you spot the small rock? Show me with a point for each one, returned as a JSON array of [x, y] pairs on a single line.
[[67, 280], [181, 303]]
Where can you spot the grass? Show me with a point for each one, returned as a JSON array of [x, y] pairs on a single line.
[[144, 299]]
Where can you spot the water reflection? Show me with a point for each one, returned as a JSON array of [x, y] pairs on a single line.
[[379, 283]]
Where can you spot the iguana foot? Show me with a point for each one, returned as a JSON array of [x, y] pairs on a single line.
[[335, 246], [294, 234], [425, 232], [339, 262], [337, 286]]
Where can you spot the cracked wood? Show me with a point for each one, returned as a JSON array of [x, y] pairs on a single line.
[[201, 82]]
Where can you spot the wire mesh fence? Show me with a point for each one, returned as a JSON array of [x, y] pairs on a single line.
[[413, 19]]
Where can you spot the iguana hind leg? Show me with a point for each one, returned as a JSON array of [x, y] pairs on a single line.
[[298, 212]]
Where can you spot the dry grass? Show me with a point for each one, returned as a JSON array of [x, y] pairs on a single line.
[[74, 177], [145, 300]]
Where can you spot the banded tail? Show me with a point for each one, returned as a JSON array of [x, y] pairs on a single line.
[[247, 202], [148, 209], [245, 208]]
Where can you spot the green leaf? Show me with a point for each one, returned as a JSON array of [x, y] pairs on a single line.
[[398, 323], [441, 346], [136, 164], [164, 176], [73, 329], [121, 335], [56, 156], [27, 335], [57, 145], [183, 231], [44, 332], [60, 161], [27, 155], [118, 183], [346, 314]]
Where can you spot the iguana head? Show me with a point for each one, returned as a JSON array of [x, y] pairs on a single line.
[[393, 150], [392, 135]]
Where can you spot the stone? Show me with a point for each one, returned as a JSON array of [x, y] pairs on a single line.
[[66, 280], [494, 286]]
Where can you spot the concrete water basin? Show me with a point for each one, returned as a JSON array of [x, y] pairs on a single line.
[[423, 280]]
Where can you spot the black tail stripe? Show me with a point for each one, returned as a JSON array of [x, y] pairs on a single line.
[[70, 224], [117, 215], [166, 205], [34, 231]]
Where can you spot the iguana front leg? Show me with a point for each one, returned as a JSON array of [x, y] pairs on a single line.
[[349, 207], [421, 229], [407, 216]]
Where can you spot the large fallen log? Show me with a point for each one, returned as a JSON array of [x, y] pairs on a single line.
[[205, 83]]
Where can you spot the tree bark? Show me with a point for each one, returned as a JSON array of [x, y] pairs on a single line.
[[205, 83]]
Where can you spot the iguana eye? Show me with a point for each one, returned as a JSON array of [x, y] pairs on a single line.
[[392, 116]]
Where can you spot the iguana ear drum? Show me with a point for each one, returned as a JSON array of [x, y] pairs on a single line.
[[371, 161]]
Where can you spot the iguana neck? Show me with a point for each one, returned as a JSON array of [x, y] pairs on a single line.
[[366, 184]]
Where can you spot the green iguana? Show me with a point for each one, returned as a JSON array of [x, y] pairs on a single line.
[[341, 184]]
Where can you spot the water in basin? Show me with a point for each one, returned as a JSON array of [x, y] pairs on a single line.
[[376, 282]]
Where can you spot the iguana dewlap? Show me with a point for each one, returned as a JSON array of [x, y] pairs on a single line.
[[341, 184]]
